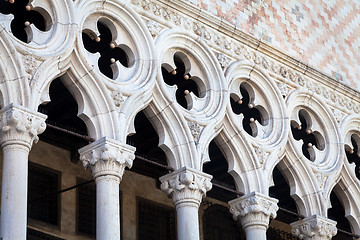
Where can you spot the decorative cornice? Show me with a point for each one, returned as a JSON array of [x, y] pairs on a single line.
[[233, 44], [107, 157], [21, 125], [254, 210], [314, 227], [186, 186]]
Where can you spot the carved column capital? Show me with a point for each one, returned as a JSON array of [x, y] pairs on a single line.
[[20, 125], [107, 157], [186, 185], [254, 210], [314, 227]]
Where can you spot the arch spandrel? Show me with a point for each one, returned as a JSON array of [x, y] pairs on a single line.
[[193, 113], [303, 186], [129, 90], [258, 153], [14, 83], [313, 177], [311, 115], [129, 33], [240, 160], [350, 127]]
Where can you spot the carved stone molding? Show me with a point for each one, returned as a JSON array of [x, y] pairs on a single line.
[[195, 129], [254, 210], [260, 154], [21, 125], [107, 157], [186, 186], [314, 227], [153, 27]]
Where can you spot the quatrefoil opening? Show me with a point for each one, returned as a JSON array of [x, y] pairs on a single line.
[[302, 132], [25, 15], [353, 153], [245, 105], [181, 77], [113, 56]]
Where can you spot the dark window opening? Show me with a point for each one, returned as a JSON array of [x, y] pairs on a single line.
[[86, 208], [219, 224], [155, 222], [43, 204]]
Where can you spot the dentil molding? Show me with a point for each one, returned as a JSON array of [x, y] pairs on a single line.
[[186, 186], [107, 157]]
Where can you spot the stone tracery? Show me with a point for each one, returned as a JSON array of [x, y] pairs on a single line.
[[25, 15], [245, 105], [210, 94], [109, 50]]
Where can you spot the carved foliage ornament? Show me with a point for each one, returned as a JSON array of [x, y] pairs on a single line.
[[314, 227], [21, 125], [254, 209], [186, 185], [107, 157], [195, 130], [261, 154]]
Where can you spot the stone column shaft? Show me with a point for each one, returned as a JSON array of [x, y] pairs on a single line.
[[254, 211], [20, 127], [186, 187], [107, 159], [314, 227]]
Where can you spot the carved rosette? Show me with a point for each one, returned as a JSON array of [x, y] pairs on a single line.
[[186, 186], [254, 210], [107, 157], [21, 125], [314, 227]]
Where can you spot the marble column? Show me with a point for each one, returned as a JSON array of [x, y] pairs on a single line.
[[186, 187], [254, 211], [314, 227], [107, 159], [19, 130]]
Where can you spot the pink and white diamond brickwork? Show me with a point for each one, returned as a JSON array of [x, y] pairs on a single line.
[[323, 33]]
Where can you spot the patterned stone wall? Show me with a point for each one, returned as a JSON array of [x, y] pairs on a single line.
[[323, 33]]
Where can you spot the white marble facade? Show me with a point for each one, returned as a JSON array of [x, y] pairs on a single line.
[[219, 59]]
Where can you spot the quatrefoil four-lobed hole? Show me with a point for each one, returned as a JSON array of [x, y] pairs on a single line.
[[25, 15], [245, 105], [311, 139], [181, 77], [109, 51], [353, 153]]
